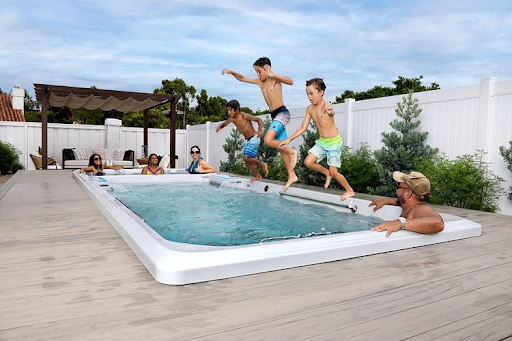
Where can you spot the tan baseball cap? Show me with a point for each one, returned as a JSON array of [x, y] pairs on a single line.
[[416, 181]]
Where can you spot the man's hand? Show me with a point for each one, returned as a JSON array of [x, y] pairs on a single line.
[[378, 203], [226, 71], [390, 226]]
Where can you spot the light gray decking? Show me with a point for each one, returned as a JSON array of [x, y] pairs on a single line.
[[66, 274]]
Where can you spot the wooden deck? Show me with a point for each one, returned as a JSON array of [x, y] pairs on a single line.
[[66, 274]]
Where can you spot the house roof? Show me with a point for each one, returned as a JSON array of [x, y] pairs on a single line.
[[89, 98], [7, 113]]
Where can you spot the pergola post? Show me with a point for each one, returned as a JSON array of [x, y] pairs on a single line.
[[145, 146], [172, 118]]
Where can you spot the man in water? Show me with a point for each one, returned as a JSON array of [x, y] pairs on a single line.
[[412, 191]]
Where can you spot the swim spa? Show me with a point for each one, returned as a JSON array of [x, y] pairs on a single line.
[[181, 263]]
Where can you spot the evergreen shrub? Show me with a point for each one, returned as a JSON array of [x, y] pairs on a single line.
[[466, 182], [9, 159]]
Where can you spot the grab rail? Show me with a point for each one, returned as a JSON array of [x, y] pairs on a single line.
[[352, 207]]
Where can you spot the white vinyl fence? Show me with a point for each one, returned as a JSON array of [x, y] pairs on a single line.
[[459, 121]]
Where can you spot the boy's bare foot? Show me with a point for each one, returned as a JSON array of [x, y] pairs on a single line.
[[265, 170], [293, 160], [256, 178], [290, 182], [328, 181], [347, 195]]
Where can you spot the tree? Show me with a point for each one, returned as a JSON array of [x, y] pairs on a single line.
[[233, 148], [402, 86], [403, 148]]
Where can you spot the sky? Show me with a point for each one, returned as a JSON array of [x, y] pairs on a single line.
[[134, 45]]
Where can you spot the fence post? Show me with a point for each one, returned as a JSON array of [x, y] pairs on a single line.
[[350, 122], [208, 141], [187, 148], [485, 115]]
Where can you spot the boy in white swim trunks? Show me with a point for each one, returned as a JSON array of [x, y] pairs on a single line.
[[330, 143], [272, 89], [243, 122]]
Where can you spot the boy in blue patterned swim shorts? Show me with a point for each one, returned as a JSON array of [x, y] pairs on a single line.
[[330, 143], [272, 90], [243, 122]]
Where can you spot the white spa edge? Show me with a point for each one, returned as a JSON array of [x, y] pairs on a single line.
[[178, 263]]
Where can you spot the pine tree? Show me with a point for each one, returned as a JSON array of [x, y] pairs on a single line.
[[233, 148], [403, 148]]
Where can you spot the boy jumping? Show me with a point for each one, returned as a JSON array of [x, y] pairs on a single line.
[[330, 143], [271, 87], [252, 138]]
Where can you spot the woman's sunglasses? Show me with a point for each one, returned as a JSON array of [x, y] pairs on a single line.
[[97, 159], [195, 152]]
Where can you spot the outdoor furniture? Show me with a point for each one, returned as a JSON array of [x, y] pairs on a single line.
[[38, 161], [73, 158]]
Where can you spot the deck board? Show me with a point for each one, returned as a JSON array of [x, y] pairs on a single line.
[[65, 273]]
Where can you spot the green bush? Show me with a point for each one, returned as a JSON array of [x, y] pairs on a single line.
[[507, 156], [466, 182], [9, 159], [360, 168]]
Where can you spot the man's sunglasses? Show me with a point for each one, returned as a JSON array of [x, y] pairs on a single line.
[[398, 186], [195, 152]]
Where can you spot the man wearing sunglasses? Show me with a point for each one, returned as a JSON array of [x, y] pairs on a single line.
[[412, 192]]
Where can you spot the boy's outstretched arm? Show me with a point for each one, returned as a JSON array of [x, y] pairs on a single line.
[[279, 78], [256, 119], [303, 127], [223, 124], [239, 76]]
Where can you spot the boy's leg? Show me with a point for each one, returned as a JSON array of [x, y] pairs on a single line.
[[253, 164], [349, 192], [310, 162], [289, 157]]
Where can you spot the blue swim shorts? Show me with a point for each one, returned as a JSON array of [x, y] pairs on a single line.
[[280, 130], [251, 146], [329, 148]]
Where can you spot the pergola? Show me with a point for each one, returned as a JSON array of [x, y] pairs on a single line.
[[106, 100]]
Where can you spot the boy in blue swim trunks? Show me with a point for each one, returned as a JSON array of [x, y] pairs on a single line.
[[243, 122], [330, 143], [272, 90]]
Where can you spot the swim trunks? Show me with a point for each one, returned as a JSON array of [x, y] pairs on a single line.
[[251, 146], [330, 148], [278, 127], [281, 114]]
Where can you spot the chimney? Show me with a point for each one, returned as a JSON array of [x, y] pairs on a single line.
[[18, 98]]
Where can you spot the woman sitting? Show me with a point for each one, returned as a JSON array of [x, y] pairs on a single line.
[[152, 167], [96, 167], [198, 165]]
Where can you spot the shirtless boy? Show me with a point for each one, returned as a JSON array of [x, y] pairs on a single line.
[[330, 143], [243, 122], [272, 90]]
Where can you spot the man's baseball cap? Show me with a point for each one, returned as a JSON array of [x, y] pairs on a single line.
[[416, 181]]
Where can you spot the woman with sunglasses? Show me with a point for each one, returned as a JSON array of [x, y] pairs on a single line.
[[96, 167], [152, 167], [198, 165]]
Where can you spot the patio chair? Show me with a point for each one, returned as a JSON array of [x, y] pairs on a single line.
[[38, 161]]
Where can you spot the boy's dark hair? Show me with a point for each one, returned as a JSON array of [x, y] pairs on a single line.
[[318, 83], [261, 62], [233, 104]]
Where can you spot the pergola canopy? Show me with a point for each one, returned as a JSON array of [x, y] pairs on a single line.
[[106, 100], [72, 97]]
